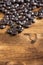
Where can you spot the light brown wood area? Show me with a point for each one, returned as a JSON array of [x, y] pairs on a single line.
[[18, 50]]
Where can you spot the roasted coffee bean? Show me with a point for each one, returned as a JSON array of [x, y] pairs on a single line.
[[40, 13], [12, 31], [19, 28], [2, 26]]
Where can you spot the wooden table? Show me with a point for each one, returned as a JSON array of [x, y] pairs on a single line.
[[19, 49]]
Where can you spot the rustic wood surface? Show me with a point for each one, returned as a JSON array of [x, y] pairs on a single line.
[[18, 50]]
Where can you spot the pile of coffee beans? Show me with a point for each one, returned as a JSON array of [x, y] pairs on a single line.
[[19, 14]]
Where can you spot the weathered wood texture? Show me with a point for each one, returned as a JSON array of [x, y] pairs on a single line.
[[19, 48]]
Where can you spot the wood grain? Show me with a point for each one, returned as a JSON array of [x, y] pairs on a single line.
[[18, 50]]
